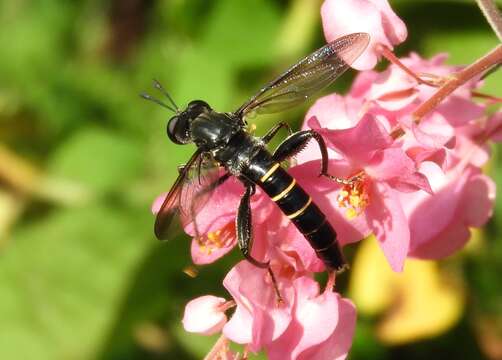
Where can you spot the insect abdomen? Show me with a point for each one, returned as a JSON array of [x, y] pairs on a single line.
[[298, 206]]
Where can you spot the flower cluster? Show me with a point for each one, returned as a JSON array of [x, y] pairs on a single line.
[[416, 184]]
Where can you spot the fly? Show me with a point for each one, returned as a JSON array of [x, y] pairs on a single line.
[[225, 148]]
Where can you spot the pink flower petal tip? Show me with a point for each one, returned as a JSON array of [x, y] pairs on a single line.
[[204, 315]]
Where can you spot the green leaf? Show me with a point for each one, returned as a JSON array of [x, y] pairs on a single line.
[[242, 32], [62, 279], [97, 158]]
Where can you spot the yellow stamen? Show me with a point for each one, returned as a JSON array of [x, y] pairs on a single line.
[[217, 239], [354, 196]]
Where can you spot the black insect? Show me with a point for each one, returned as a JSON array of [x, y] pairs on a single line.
[[226, 148]]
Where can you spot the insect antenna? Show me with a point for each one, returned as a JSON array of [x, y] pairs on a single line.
[[157, 101], [158, 86]]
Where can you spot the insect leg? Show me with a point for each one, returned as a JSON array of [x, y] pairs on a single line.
[[296, 142], [272, 132], [245, 237], [243, 227]]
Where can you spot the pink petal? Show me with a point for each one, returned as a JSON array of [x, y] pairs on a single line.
[[337, 346], [157, 203], [480, 190], [469, 148], [324, 193], [388, 221], [239, 327], [219, 210], [395, 167], [440, 223], [254, 294], [203, 315], [390, 163], [335, 112], [393, 89], [359, 143], [332, 112], [298, 252], [494, 128], [362, 83], [421, 154], [206, 250], [429, 214], [411, 183], [434, 132], [458, 111], [340, 17], [447, 242], [316, 317]]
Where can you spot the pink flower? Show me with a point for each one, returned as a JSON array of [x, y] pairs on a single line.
[[322, 326], [472, 139], [439, 222], [494, 127], [396, 93], [453, 136], [333, 112], [305, 324], [258, 319], [385, 170], [205, 315], [414, 190], [375, 17]]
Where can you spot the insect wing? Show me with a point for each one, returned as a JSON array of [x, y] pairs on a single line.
[[171, 205], [202, 181], [310, 75]]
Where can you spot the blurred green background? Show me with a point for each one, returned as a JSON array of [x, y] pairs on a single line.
[[82, 157]]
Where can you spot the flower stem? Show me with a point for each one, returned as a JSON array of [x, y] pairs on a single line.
[[491, 98], [454, 81], [227, 305], [457, 79], [492, 15], [219, 347], [330, 284], [389, 55]]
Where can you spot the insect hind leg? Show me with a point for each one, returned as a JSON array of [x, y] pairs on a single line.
[[296, 142]]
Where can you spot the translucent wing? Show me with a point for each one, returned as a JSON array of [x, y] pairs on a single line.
[[190, 192], [170, 206], [202, 180], [308, 76]]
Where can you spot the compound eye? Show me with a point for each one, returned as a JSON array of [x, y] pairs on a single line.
[[173, 128], [197, 104]]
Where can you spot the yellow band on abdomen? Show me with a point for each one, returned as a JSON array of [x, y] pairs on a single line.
[[285, 191], [269, 172], [299, 212]]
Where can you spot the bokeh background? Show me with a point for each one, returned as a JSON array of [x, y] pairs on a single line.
[[82, 157]]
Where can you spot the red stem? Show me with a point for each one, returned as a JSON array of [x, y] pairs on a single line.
[[454, 81], [219, 346], [389, 55]]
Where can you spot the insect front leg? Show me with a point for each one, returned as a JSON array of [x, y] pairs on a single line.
[[272, 132], [243, 227]]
